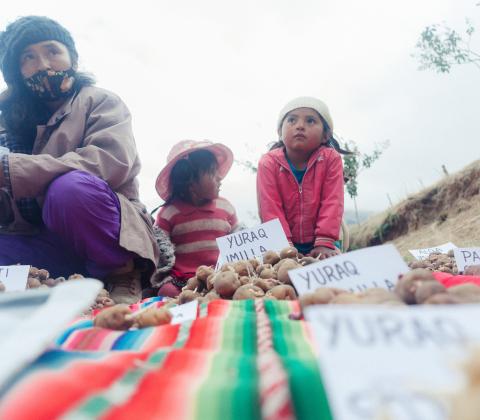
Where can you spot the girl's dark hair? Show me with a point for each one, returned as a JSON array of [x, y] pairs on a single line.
[[21, 112], [331, 141], [188, 170]]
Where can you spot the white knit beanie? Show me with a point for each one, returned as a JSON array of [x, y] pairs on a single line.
[[305, 102]]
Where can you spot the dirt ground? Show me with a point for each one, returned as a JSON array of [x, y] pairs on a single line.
[[448, 211]]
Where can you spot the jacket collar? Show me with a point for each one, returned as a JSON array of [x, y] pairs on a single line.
[[280, 157], [62, 112]]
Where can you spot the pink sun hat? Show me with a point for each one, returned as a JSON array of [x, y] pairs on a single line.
[[181, 150]]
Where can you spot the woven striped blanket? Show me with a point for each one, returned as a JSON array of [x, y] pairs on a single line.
[[237, 360]]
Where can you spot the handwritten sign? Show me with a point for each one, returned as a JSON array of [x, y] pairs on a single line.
[[185, 312], [14, 277], [421, 254], [466, 256], [377, 266], [252, 243], [394, 363]]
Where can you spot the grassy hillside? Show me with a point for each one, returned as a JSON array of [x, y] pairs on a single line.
[[446, 211]]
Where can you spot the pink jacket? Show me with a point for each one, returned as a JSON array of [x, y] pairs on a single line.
[[310, 212]]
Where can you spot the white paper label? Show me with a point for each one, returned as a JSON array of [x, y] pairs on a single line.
[[30, 321], [393, 363], [185, 312], [377, 266], [466, 256], [423, 253], [14, 277], [252, 243]]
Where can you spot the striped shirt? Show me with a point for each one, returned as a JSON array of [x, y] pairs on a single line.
[[194, 230]]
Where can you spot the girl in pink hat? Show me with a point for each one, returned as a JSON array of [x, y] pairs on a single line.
[[193, 214]]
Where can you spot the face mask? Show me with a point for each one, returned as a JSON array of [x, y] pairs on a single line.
[[50, 85]]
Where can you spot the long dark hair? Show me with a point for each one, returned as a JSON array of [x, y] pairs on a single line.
[[21, 112], [188, 170], [328, 133]]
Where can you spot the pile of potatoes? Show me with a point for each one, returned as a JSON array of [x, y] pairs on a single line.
[[437, 262], [413, 288], [121, 317], [247, 279], [40, 278]]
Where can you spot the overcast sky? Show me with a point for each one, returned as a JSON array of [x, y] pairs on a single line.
[[222, 70]]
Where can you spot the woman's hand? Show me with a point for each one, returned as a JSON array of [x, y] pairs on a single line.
[[322, 252]]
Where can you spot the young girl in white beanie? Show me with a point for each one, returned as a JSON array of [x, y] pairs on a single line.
[[300, 180]]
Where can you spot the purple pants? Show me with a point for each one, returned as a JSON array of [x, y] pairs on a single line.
[[81, 234]]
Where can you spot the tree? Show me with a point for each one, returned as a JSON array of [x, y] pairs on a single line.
[[441, 47], [356, 163]]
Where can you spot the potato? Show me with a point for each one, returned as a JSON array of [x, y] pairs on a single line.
[[425, 289], [226, 283], [307, 260], [466, 291], [114, 318], [212, 295], [472, 270], [419, 264], [407, 284], [243, 268], [271, 257], [33, 283], [75, 276], [193, 283], [289, 252], [245, 280], [320, 296], [2, 287], [266, 284], [268, 273], [254, 263], [443, 299], [248, 291], [282, 273], [283, 292], [152, 317], [187, 296], [346, 299], [202, 273]]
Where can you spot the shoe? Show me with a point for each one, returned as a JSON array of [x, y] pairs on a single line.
[[125, 287]]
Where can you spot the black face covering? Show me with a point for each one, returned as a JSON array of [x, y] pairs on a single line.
[[50, 85]]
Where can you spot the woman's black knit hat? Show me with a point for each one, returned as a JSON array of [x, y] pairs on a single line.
[[25, 31]]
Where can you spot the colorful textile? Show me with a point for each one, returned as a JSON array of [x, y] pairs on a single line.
[[237, 360], [194, 230], [450, 280]]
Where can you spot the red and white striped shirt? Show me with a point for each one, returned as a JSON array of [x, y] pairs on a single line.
[[194, 230]]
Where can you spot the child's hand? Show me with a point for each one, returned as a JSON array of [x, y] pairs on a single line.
[[322, 252]]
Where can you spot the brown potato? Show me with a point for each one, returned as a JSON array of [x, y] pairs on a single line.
[[407, 284], [271, 257], [75, 276], [193, 283], [267, 273], [307, 260], [33, 283], [443, 299], [283, 292], [289, 252], [248, 291], [187, 296], [226, 283], [255, 263], [243, 268], [266, 284], [114, 318], [425, 289], [202, 273], [152, 317], [472, 270], [282, 273]]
